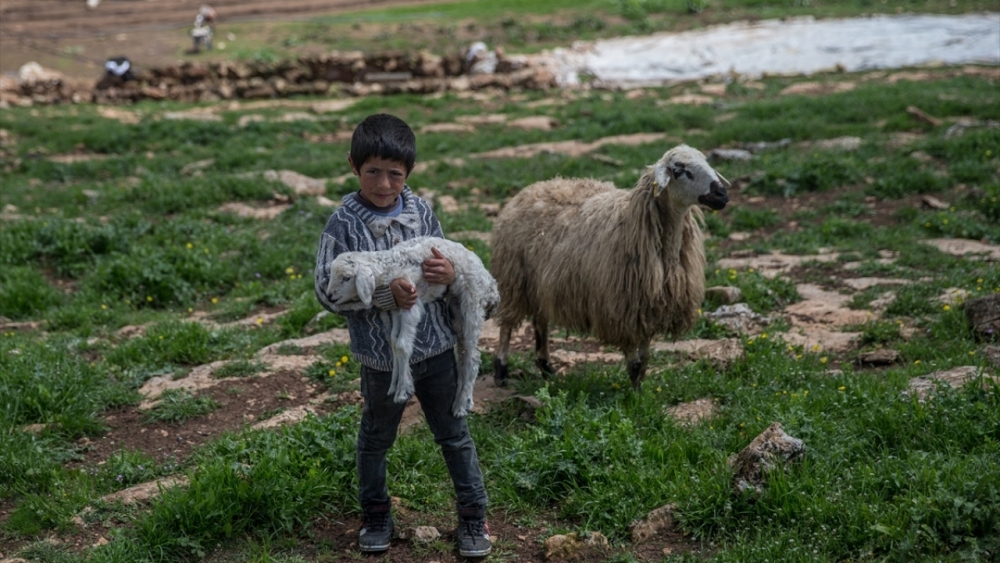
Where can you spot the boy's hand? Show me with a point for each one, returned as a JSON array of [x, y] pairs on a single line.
[[438, 270], [404, 292]]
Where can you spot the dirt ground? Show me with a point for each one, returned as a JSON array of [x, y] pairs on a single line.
[[66, 36]]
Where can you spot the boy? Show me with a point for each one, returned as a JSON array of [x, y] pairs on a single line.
[[378, 216]]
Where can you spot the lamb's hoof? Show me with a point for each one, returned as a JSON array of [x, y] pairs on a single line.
[[500, 373], [546, 367]]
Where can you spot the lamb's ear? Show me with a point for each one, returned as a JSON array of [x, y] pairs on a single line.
[[662, 175], [365, 284]]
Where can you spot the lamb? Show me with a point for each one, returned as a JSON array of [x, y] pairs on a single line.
[[622, 265], [355, 275]]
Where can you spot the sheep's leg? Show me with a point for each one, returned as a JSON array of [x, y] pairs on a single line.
[[541, 327], [637, 362], [500, 371]]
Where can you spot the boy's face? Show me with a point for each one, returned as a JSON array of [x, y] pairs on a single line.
[[381, 180]]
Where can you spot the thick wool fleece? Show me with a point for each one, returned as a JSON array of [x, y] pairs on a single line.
[[354, 228]]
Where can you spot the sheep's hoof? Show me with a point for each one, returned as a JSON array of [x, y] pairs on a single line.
[[500, 373], [546, 367]]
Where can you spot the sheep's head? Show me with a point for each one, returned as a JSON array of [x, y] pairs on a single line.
[[350, 280], [685, 174]]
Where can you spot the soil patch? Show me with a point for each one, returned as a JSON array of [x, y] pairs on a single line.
[[242, 401]]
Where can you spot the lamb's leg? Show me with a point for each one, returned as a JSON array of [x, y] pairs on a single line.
[[402, 350], [500, 371], [469, 326], [637, 362], [541, 326]]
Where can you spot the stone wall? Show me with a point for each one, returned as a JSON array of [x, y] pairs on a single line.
[[334, 73]]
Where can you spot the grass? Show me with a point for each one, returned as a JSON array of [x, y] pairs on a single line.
[[886, 477]]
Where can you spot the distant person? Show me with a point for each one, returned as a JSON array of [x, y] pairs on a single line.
[[117, 71], [119, 67], [204, 28]]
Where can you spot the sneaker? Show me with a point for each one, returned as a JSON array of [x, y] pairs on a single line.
[[376, 533], [473, 537]]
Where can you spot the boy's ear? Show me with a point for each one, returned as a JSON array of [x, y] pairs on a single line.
[[365, 283], [353, 168]]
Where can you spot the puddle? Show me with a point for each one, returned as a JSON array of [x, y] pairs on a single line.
[[795, 46]]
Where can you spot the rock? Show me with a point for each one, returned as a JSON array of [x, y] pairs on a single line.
[[720, 155], [924, 385], [145, 491], [992, 355], [35, 429], [984, 316], [300, 183], [931, 202], [720, 352], [539, 122], [691, 413], [839, 143], [772, 449], [448, 203], [738, 318], [659, 520], [953, 296], [883, 357], [965, 247], [420, 534], [572, 546], [197, 165], [922, 115], [724, 294]]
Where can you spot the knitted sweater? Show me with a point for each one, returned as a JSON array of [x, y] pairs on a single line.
[[352, 227]]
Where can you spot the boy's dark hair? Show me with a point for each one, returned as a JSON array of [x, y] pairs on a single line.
[[384, 136]]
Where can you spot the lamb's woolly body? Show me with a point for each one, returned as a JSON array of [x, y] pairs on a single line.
[[622, 265], [355, 275]]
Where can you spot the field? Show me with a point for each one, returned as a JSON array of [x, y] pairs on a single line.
[[159, 323]]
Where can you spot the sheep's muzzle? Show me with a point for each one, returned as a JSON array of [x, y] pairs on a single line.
[[716, 198]]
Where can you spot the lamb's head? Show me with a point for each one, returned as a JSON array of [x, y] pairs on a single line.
[[350, 279], [685, 174]]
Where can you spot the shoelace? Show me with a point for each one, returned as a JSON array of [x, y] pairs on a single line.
[[377, 523], [475, 529]]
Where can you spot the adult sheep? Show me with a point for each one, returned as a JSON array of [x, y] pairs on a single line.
[[622, 265]]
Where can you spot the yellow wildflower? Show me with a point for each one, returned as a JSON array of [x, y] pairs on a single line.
[[215, 300]]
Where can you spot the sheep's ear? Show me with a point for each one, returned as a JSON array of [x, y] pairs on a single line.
[[723, 179], [365, 283], [662, 175]]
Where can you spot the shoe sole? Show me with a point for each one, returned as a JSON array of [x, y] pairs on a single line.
[[374, 548], [479, 553]]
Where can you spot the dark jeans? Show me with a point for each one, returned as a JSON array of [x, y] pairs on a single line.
[[435, 380]]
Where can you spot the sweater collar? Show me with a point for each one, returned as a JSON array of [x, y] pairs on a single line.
[[378, 225]]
